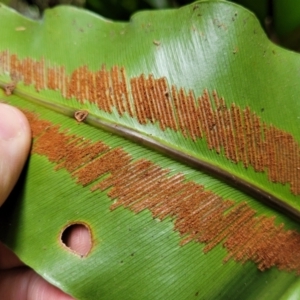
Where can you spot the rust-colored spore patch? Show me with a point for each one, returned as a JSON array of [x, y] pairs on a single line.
[[199, 214], [67, 151], [238, 133]]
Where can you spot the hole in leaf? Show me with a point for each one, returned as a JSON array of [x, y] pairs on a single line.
[[77, 238]]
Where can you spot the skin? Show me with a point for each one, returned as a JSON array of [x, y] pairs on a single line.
[[17, 281]]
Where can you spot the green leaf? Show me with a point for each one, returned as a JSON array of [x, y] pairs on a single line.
[[184, 164]]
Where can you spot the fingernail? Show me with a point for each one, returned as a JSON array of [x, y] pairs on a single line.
[[11, 122]]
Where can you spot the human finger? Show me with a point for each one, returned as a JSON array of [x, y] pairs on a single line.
[[15, 138], [24, 284]]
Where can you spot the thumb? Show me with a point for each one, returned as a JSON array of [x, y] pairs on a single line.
[[15, 138]]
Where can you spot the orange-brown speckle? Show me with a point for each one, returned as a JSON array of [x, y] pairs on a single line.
[[234, 132], [199, 215]]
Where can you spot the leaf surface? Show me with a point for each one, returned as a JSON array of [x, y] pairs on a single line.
[[184, 165]]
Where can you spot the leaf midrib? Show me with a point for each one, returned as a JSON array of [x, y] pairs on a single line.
[[160, 146]]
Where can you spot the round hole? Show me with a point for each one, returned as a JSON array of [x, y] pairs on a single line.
[[77, 238]]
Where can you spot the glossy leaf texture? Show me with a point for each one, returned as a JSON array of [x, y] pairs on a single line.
[[174, 138]]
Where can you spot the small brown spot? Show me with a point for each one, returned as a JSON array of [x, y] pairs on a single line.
[[81, 115], [9, 88], [156, 43]]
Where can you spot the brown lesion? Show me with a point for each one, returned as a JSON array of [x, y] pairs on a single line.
[[81, 115], [9, 88], [199, 215], [237, 133]]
